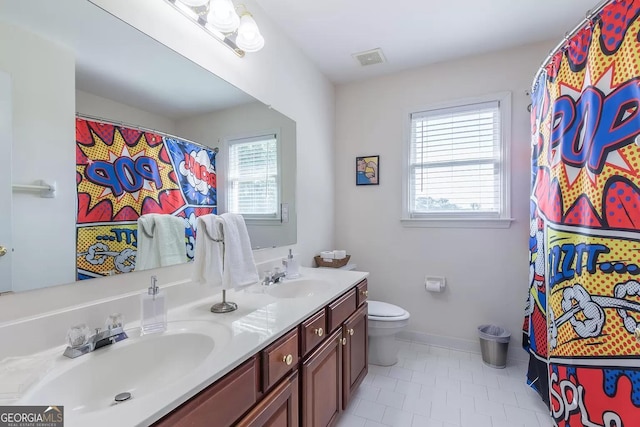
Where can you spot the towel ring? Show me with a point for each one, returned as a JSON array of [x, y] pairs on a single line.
[[144, 230], [211, 237]]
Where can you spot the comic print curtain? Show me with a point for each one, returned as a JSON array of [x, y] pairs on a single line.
[[584, 299], [123, 173]]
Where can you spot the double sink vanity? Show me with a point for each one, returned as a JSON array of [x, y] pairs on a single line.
[[292, 354]]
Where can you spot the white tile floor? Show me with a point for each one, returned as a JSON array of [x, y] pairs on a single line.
[[437, 387]]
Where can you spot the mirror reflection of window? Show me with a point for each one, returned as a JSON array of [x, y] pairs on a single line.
[[253, 180]]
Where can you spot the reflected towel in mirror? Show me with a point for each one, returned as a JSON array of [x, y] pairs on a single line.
[[161, 241], [207, 265]]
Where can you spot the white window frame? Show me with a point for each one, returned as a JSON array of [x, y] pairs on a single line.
[[462, 219], [255, 219]]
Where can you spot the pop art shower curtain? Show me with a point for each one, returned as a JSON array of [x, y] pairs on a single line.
[[123, 173], [584, 300]]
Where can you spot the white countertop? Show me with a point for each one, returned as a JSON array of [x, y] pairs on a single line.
[[259, 320]]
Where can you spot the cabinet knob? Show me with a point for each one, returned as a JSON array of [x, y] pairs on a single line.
[[319, 332], [344, 341], [364, 293], [288, 359], [351, 331], [3, 251]]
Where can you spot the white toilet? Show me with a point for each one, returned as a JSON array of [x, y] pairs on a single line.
[[385, 321]]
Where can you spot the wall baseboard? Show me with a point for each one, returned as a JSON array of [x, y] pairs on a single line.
[[516, 353]]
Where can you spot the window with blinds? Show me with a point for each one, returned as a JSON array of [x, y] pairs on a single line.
[[253, 180], [455, 162]]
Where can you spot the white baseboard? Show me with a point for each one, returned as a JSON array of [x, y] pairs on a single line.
[[516, 353]]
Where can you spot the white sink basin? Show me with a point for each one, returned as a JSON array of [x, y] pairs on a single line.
[[299, 288], [139, 366]]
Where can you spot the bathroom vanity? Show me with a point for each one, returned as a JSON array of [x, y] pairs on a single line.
[[292, 354], [306, 377]]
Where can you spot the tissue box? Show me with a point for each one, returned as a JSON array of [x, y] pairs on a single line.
[[335, 263]]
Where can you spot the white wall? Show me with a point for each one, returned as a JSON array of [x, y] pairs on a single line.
[[250, 120], [486, 269], [97, 106], [43, 84]]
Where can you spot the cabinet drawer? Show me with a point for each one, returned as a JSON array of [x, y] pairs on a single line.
[[279, 358], [312, 332], [362, 292], [225, 401], [339, 310]]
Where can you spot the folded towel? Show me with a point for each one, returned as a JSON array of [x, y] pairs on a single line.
[[207, 266], [239, 266], [161, 241], [20, 373]]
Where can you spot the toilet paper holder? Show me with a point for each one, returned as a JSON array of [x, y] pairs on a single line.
[[434, 283]]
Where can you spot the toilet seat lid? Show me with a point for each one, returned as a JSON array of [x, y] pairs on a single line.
[[383, 309]]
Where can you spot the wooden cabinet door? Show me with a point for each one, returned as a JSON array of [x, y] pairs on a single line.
[[321, 383], [278, 409], [355, 352]]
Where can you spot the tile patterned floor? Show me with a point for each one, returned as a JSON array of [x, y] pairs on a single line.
[[437, 387]]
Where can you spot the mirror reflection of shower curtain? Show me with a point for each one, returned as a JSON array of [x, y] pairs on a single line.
[[584, 297]]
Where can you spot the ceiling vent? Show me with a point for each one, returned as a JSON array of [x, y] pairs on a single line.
[[369, 57]]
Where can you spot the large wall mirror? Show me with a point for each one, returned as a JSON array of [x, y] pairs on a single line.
[[60, 59]]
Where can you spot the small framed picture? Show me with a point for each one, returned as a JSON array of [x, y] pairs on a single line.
[[368, 170]]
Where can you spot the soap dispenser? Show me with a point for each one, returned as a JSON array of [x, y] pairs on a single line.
[[154, 309], [291, 266]]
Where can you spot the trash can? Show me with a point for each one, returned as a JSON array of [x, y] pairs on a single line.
[[494, 343]]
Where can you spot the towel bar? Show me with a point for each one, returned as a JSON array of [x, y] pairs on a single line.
[[46, 190]]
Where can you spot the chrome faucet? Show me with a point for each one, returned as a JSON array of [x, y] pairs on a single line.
[[274, 277], [81, 341]]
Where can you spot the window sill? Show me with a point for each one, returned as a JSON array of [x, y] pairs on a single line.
[[263, 221], [457, 222]]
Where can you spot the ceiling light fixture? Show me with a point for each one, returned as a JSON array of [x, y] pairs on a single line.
[[249, 38], [194, 3], [231, 25], [222, 16]]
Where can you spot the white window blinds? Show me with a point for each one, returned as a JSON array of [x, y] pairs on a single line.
[[253, 180], [455, 162]]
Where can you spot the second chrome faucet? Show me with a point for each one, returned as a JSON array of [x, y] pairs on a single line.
[[82, 341], [272, 277]]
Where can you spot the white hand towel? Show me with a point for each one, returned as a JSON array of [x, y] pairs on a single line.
[[146, 255], [239, 265], [170, 234], [208, 256], [161, 241]]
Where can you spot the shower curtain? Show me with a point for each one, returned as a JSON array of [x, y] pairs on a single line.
[[584, 297]]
